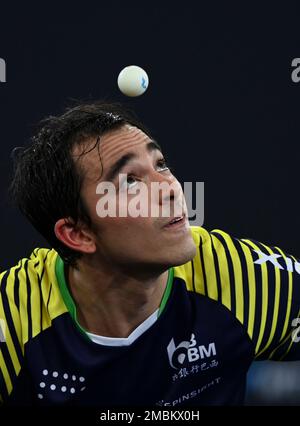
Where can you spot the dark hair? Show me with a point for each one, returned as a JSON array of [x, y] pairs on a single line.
[[46, 183]]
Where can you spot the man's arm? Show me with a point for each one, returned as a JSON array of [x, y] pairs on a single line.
[[11, 354], [264, 293]]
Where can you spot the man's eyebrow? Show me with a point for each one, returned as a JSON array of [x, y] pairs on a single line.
[[121, 162], [118, 166], [152, 146]]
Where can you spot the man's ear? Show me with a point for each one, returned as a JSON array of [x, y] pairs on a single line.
[[77, 237]]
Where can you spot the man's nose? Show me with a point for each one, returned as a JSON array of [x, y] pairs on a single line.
[[166, 194], [168, 191]]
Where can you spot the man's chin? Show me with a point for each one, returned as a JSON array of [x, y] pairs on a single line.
[[186, 254]]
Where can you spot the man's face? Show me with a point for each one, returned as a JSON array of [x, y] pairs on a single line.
[[135, 241]]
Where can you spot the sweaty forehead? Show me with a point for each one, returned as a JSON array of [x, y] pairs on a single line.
[[116, 143], [112, 146]]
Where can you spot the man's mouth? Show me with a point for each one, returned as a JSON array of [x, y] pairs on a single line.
[[176, 222]]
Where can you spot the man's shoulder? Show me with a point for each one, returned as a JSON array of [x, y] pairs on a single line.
[[31, 275], [29, 288], [41, 262], [199, 274], [202, 235]]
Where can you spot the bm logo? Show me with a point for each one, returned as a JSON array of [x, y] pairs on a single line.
[[189, 350], [2, 71]]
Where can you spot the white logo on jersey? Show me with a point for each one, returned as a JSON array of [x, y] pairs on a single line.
[[188, 350], [291, 265]]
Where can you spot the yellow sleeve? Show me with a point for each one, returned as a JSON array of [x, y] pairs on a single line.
[[11, 350], [261, 286]]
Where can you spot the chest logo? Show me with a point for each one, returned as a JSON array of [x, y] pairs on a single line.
[[189, 351]]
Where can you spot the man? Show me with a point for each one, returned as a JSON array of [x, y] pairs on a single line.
[[130, 310]]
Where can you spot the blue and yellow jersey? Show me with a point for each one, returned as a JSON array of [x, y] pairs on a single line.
[[236, 301]]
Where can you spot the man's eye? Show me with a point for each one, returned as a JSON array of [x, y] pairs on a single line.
[[162, 164], [129, 181]]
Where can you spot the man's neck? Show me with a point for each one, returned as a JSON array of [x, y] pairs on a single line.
[[113, 303]]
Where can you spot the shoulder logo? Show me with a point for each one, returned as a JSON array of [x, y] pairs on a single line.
[[290, 264]]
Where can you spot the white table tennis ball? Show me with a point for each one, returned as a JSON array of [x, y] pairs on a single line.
[[133, 81]]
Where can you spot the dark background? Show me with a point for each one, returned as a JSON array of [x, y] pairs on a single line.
[[221, 101]]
